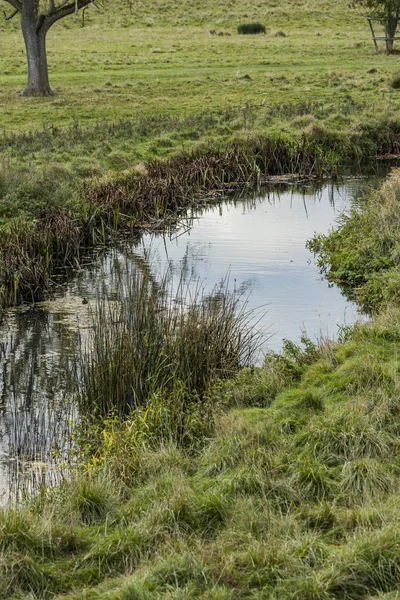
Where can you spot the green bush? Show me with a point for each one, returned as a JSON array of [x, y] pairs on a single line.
[[395, 83], [251, 28]]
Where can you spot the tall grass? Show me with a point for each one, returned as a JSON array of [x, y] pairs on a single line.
[[267, 508], [152, 345]]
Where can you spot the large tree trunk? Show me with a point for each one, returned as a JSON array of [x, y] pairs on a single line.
[[35, 43]]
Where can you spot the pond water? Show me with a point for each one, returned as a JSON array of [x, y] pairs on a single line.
[[258, 242], [262, 245]]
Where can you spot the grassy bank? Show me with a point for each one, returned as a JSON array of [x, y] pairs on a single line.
[[293, 494], [362, 253], [49, 218]]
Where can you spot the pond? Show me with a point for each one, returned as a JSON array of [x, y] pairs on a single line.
[[257, 243]]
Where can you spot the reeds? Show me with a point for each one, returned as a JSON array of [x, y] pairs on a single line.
[[38, 414], [159, 342], [151, 197]]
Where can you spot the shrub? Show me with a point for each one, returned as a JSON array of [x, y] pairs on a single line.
[[395, 83], [251, 28]]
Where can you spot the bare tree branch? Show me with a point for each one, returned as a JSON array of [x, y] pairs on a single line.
[[9, 17], [63, 10], [16, 4]]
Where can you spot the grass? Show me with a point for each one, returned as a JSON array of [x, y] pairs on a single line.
[[259, 509], [161, 59], [291, 491], [362, 253]]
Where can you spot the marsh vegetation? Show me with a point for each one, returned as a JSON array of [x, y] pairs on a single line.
[[197, 473]]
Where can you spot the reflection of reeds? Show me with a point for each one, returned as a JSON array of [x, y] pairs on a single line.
[[164, 190], [37, 414], [147, 345]]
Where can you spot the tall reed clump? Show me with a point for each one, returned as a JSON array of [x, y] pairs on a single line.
[[146, 350]]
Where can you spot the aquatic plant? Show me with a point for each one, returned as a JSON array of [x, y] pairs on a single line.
[[156, 342]]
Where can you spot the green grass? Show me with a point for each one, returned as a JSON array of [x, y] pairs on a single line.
[[324, 71], [362, 253], [292, 493], [163, 59], [260, 509]]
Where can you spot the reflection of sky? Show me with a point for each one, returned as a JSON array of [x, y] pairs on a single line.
[[263, 247]]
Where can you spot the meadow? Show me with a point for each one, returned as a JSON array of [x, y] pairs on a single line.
[[186, 58]]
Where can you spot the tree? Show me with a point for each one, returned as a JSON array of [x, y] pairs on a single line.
[[37, 16], [389, 10]]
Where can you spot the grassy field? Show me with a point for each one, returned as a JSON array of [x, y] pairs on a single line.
[[170, 83], [163, 81], [163, 59]]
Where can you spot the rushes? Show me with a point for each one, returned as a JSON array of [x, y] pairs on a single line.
[[146, 349]]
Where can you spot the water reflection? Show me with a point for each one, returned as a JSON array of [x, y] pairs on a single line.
[[260, 241], [36, 410], [262, 244]]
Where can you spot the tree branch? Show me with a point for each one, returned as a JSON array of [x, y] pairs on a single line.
[[67, 7], [9, 17], [16, 4]]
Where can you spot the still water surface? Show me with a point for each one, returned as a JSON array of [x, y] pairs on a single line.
[[262, 245], [259, 242]]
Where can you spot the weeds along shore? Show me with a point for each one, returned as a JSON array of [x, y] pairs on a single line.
[[49, 217]]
